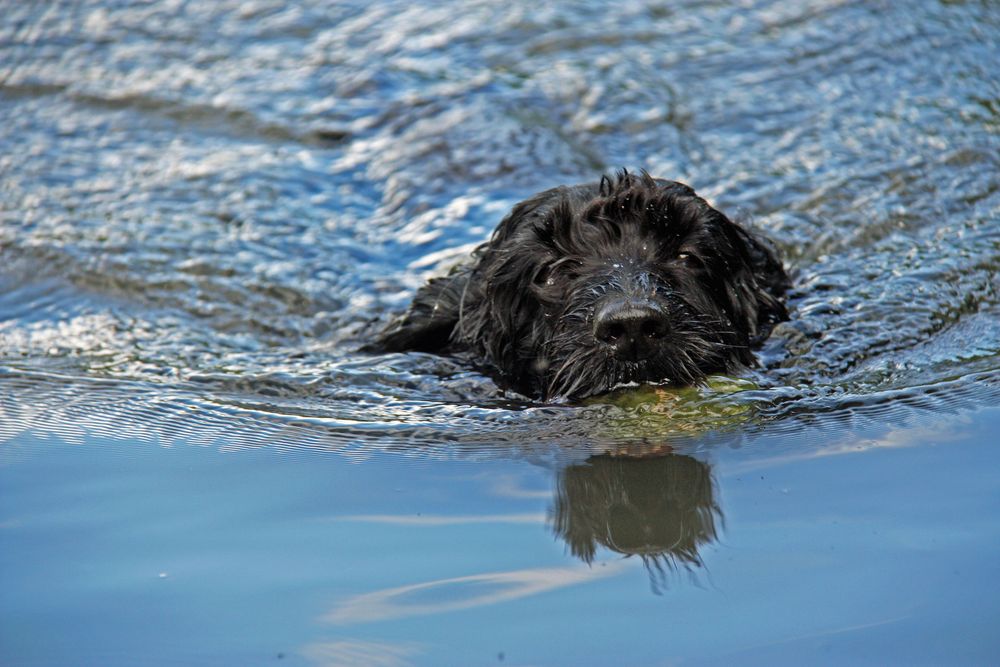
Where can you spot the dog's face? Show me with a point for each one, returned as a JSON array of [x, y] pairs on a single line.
[[633, 280]]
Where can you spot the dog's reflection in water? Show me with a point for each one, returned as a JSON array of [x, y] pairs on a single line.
[[659, 509]]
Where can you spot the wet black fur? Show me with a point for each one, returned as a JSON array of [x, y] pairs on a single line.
[[524, 306]]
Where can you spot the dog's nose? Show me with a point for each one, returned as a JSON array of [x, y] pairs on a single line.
[[634, 329]]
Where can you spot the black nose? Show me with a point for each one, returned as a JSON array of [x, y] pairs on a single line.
[[634, 329]]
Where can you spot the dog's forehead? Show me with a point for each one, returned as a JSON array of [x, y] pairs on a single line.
[[652, 224], [642, 223]]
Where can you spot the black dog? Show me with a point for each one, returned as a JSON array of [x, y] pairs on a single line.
[[583, 289]]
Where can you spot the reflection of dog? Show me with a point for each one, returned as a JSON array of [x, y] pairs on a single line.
[[661, 510], [584, 288]]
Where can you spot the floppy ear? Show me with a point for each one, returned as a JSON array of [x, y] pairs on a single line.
[[428, 324], [499, 318], [769, 283], [501, 314], [451, 311]]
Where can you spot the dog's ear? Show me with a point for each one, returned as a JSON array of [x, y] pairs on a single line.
[[428, 324], [503, 316], [531, 211], [451, 312], [764, 283]]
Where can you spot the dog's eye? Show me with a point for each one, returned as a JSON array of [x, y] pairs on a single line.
[[690, 259], [542, 275]]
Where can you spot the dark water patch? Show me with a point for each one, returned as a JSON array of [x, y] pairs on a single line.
[[209, 120]]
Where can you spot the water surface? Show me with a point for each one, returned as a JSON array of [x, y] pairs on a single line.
[[205, 208]]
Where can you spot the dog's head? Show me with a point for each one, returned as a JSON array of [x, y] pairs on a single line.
[[630, 280]]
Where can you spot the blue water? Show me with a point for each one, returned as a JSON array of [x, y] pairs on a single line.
[[206, 208], [859, 547]]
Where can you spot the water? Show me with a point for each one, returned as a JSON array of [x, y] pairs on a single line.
[[206, 207]]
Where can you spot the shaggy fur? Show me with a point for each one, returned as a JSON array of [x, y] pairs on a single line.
[[582, 289]]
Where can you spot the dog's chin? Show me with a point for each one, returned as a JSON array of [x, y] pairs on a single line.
[[614, 375]]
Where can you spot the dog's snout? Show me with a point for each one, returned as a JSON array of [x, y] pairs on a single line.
[[633, 329]]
